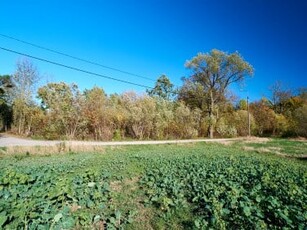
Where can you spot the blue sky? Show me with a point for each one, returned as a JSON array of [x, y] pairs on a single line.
[[154, 37]]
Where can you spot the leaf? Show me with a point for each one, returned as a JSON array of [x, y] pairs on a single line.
[[197, 223], [226, 211], [112, 220], [68, 223], [246, 211], [90, 203], [97, 218], [3, 218], [285, 217], [117, 214], [91, 184], [258, 199], [57, 217]]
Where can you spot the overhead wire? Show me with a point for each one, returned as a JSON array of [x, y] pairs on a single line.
[[75, 68], [76, 58]]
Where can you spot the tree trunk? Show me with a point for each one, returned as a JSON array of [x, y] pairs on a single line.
[[29, 127], [19, 124], [211, 131]]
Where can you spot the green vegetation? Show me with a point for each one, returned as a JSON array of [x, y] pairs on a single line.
[[191, 186], [202, 107]]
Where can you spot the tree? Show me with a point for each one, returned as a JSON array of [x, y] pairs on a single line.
[[300, 117], [265, 117], [279, 97], [213, 72], [97, 114], [63, 104], [194, 95], [294, 103], [302, 93], [5, 107], [186, 121], [163, 88], [120, 116], [5, 85], [242, 105], [164, 116], [141, 110], [24, 80]]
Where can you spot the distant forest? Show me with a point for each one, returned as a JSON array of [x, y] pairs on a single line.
[[202, 107]]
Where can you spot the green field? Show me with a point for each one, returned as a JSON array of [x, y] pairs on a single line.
[[190, 186]]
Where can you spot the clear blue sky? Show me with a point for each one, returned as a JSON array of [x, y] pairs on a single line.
[[154, 37]]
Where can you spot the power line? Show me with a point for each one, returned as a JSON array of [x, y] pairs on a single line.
[[76, 58], [76, 69]]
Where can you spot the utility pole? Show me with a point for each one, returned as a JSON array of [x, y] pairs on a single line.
[[248, 119]]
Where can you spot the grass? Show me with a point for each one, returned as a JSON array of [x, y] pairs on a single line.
[[127, 165], [283, 147], [3, 150]]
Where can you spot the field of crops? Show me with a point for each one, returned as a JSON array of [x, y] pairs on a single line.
[[192, 186]]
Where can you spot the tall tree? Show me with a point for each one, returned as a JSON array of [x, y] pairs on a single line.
[[163, 88], [98, 114], [63, 104], [214, 72], [24, 80]]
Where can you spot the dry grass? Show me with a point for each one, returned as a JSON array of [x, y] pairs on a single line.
[[144, 216], [129, 195], [302, 139], [227, 143], [75, 207], [275, 150], [265, 150], [256, 140], [248, 148], [186, 144], [118, 186], [55, 149]]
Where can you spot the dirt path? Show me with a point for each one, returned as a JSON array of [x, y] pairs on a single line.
[[6, 141]]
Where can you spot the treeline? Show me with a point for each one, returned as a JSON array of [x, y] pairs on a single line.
[[200, 108], [283, 114]]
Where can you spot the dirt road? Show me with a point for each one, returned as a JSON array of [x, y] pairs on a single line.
[[6, 141]]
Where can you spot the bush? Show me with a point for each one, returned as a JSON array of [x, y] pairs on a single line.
[[225, 129], [300, 117]]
